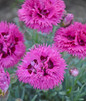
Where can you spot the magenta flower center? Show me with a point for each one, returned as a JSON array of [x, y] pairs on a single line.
[[4, 54], [1, 46], [42, 12], [9, 49], [81, 42], [49, 63], [4, 34], [82, 39], [44, 59], [71, 38], [32, 67]]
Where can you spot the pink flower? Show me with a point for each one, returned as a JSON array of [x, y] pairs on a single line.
[[67, 20], [74, 72], [41, 14], [12, 46], [42, 67], [4, 80], [72, 39]]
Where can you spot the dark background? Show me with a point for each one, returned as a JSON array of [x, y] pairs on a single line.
[[8, 9]]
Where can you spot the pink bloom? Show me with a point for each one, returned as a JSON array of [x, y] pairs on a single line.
[[42, 67], [72, 39], [67, 20], [12, 46], [74, 72], [41, 14], [4, 80]]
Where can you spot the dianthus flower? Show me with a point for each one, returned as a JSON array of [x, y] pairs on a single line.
[[42, 67], [42, 14], [72, 39], [12, 46], [4, 81]]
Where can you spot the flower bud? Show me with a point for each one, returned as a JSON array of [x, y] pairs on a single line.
[[13, 78], [4, 82], [74, 72], [67, 20]]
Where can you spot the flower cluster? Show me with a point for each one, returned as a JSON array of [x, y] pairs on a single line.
[[4, 81], [72, 39], [12, 46], [42, 67], [42, 14]]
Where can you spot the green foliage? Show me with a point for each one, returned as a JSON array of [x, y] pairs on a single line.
[[20, 0]]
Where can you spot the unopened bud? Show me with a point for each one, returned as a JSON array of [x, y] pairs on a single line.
[[74, 72], [13, 78], [4, 81], [67, 20]]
